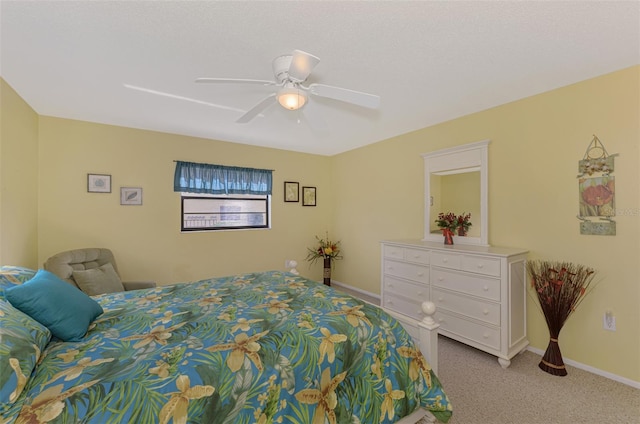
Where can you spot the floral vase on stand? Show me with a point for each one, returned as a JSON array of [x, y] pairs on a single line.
[[327, 271], [559, 287], [326, 250]]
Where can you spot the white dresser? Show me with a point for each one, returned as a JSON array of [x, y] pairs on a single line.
[[479, 292]]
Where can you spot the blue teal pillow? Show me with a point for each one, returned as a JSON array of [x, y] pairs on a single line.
[[23, 340], [56, 304]]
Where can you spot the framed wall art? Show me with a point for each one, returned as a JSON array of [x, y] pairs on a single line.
[[98, 183], [130, 195], [597, 191], [291, 191], [308, 196]]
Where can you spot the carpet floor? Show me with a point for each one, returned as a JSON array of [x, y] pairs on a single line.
[[481, 392]]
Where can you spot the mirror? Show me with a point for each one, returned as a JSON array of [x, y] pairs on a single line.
[[456, 181], [462, 197]]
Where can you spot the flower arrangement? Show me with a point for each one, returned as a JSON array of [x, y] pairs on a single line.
[[560, 287], [326, 249], [448, 221], [464, 222]]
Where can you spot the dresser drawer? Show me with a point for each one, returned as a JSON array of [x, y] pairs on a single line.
[[487, 288], [403, 306], [407, 254], [409, 271], [481, 310], [416, 255], [473, 331], [480, 265], [394, 252], [405, 288], [446, 260]]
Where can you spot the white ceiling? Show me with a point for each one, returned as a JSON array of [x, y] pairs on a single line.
[[429, 61]]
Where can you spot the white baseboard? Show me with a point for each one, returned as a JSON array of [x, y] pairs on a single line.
[[366, 294], [592, 370]]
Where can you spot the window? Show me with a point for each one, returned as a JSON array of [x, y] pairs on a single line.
[[225, 212], [218, 197]]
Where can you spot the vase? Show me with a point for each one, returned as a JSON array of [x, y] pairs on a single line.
[[462, 231], [448, 236], [327, 271], [552, 359]]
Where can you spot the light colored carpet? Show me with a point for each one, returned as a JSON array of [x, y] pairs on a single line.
[[481, 392]]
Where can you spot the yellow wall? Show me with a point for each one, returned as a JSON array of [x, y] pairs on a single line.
[[18, 180], [146, 240], [533, 202], [364, 196]]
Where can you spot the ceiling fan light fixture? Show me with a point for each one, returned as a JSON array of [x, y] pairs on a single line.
[[292, 98]]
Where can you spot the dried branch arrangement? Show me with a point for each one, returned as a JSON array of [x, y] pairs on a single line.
[[560, 287]]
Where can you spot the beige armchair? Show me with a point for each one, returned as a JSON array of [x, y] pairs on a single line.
[[92, 270]]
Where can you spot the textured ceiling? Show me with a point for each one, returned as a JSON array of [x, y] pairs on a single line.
[[133, 63]]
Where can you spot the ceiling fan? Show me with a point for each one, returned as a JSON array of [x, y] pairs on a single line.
[[290, 72]]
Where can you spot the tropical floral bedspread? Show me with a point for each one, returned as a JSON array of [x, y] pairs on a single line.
[[256, 348]]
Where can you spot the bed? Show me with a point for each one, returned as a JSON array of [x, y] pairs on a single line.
[[269, 347]]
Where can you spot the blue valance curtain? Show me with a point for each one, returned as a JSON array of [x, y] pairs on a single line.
[[218, 179]]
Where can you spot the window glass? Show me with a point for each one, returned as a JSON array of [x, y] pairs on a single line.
[[225, 212]]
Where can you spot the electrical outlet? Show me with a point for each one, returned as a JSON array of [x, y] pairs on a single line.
[[609, 321]]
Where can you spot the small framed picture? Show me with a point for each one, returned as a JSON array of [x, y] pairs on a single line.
[[98, 183], [291, 191], [308, 196], [130, 195]]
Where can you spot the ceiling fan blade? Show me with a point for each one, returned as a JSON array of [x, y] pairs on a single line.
[[370, 101], [178, 97], [302, 63], [255, 111], [234, 81]]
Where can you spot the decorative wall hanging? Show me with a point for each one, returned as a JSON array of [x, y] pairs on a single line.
[[597, 191], [98, 183], [308, 196], [291, 191], [130, 195]]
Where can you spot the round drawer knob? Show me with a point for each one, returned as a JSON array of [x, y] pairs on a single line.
[[485, 312], [421, 274], [485, 288], [440, 279], [390, 286], [389, 302], [440, 299], [440, 319], [485, 335], [420, 293], [445, 260], [480, 266]]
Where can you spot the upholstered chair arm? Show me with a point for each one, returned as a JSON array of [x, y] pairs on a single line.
[[137, 285]]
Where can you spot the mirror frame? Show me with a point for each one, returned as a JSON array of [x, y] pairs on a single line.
[[457, 160]]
